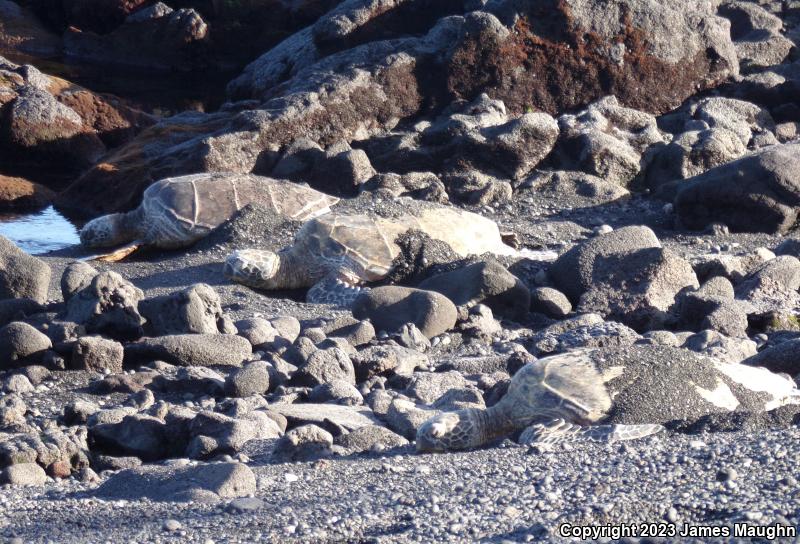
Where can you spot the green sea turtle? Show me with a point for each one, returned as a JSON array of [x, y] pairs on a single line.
[[334, 254], [610, 395], [176, 212]]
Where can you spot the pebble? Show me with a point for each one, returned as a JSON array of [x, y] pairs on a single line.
[[172, 525]]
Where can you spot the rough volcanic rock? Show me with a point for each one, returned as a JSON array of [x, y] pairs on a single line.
[[203, 483], [20, 30], [608, 140], [157, 37], [97, 354], [21, 344], [574, 272], [304, 443], [638, 288], [192, 349], [486, 283], [196, 309], [76, 276], [552, 56], [108, 305], [22, 194], [21, 275], [391, 307], [756, 34], [757, 193]]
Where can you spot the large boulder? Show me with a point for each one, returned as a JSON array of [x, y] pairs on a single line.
[[156, 37], [21, 275], [574, 271], [349, 76], [608, 140], [483, 282], [757, 193], [192, 349], [196, 309], [21, 344], [20, 30], [22, 194], [202, 482], [108, 305], [390, 307]]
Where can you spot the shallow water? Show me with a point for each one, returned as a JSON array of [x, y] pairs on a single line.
[[39, 232]]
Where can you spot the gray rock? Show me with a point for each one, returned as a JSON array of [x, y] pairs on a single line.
[[724, 348], [356, 333], [391, 307], [430, 386], [139, 435], [404, 417], [12, 410], [17, 309], [252, 379], [773, 285], [97, 354], [712, 306], [372, 438], [336, 391], [307, 88], [757, 193], [303, 444], [259, 332], [196, 309], [23, 474], [194, 380], [608, 140], [46, 447], [213, 434], [21, 344], [574, 272], [387, 360], [556, 339], [21, 275], [77, 412], [203, 482], [779, 358], [480, 324], [486, 283], [332, 417], [76, 276], [550, 302], [109, 306], [17, 383], [192, 349], [638, 288], [326, 366], [409, 336], [757, 35]]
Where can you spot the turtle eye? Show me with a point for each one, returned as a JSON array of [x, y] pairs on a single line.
[[337, 250]]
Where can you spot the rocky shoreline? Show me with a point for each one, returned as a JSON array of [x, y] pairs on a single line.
[[641, 160]]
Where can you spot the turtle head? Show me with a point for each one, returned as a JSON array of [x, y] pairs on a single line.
[[106, 231], [450, 431], [255, 268]]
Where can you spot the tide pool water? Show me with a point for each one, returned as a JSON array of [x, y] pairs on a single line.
[[39, 232]]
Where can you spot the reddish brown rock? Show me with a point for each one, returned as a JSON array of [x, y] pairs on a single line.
[[21, 31], [21, 194]]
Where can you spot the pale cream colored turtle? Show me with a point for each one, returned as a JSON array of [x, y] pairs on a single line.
[[177, 212], [609, 395], [335, 253]]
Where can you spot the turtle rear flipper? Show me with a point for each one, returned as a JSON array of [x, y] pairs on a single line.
[[337, 289], [116, 255], [559, 430]]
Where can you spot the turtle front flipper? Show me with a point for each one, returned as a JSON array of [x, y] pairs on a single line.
[[559, 430], [116, 255], [338, 289]]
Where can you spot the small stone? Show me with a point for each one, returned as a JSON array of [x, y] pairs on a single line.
[[172, 525], [244, 505]]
